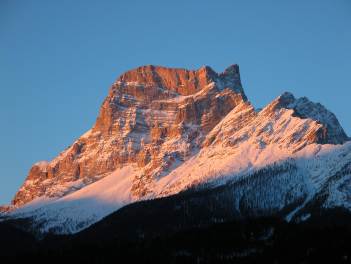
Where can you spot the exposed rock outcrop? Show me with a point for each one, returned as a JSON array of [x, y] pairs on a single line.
[[153, 116], [161, 131], [158, 117]]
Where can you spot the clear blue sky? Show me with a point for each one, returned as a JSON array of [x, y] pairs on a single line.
[[58, 59]]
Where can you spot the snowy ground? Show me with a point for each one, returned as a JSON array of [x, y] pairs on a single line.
[[316, 164]]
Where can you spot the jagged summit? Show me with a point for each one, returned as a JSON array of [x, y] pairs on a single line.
[[180, 81], [333, 133], [163, 130], [330, 131], [153, 117]]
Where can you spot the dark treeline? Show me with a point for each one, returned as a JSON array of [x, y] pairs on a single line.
[[251, 241], [196, 226]]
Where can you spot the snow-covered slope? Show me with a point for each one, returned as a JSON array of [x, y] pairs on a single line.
[[80, 209], [310, 171], [198, 130]]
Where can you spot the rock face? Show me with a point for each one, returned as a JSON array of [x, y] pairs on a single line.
[[161, 131], [153, 116], [330, 131], [157, 117]]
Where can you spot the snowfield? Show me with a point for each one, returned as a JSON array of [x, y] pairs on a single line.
[[316, 167]]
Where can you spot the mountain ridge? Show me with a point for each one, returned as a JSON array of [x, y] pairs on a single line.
[[161, 131]]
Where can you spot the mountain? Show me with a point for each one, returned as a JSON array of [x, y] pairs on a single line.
[[152, 117], [163, 131]]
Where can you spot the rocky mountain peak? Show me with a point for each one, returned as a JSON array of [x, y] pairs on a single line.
[[179, 81], [330, 131], [154, 117], [333, 132], [282, 101], [163, 130], [231, 73]]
